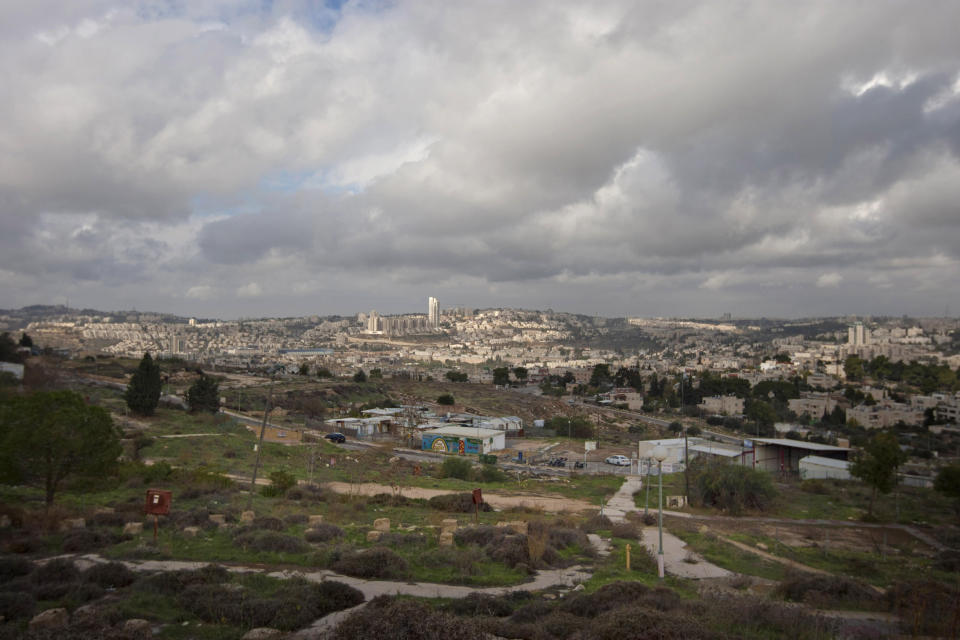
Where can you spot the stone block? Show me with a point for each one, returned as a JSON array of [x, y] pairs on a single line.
[[5, 521], [106, 510], [374, 536], [50, 619], [133, 528], [137, 629], [191, 532], [247, 517], [218, 518], [449, 524], [381, 524], [315, 520], [446, 539], [73, 523]]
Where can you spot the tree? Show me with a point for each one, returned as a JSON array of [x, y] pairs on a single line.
[[947, 482], [877, 465], [359, 376], [501, 376], [456, 376], [520, 373], [853, 367], [204, 395], [446, 399], [323, 372], [143, 391], [376, 374], [25, 340], [601, 375], [8, 349], [47, 437], [304, 369]]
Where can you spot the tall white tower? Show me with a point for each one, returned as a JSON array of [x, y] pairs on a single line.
[[433, 312]]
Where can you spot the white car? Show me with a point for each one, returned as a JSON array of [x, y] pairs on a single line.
[[620, 461]]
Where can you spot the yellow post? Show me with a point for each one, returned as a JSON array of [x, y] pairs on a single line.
[[628, 556]]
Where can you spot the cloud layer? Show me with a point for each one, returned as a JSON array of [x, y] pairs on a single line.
[[216, 158]]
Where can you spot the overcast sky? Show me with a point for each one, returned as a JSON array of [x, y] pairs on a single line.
[[619, 158]]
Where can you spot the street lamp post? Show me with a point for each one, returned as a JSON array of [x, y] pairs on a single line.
[[660, 454]]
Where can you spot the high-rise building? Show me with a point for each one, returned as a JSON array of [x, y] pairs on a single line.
[[857, 336], [373, 322], [433, 312]]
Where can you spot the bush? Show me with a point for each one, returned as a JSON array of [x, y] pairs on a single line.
[[606, 598], [459, 468], [295, 518], [171, 583], [84, 540], [58, 570], [456, 502], [376, 562], [730, 487], [323, 532], [386, 617], [110, 575], [925, 608], [17, 605], [270, 524], [403, 539], [595, 523], [818, 590], [481, 604], [563, 538], [626, 530], [446, 399], [13, 567], [270, 541], [815, 486], [511, 550], [488, 473]]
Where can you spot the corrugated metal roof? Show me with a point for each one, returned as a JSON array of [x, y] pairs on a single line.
[[715, 451], [826, 462], [799, 444], [467, 432]]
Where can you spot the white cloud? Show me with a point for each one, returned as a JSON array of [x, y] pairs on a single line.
[[250, 290], [829, 280], [199, 292]]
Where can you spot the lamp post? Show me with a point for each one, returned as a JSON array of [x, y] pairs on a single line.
[[660, 454]]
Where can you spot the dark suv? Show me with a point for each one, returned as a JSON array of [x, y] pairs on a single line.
[[336, 437]]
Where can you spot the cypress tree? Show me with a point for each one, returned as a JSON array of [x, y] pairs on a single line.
[[204, 395], [143, 391]]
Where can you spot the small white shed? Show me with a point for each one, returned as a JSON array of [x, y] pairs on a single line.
[[818, 467]]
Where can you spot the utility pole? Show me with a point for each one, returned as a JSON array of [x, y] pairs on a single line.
[[263, 427]]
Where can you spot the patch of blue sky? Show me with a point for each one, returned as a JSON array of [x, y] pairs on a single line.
[[285, 181]]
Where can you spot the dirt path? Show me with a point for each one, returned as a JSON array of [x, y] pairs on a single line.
[[552, 504]]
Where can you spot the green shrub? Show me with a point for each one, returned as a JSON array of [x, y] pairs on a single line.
[[488, 473], [323, 532], [13, 567], [376, 562], [58, 570], [17, 605], [481, 604], [627, 530], [386, 617], [84, 540], [925, 608], [482, 535], [110, 575], [454, 467], [606, 598], [729, 487], [456, 502], [822, 591], [270, 524], [595, 523], [270, 541]]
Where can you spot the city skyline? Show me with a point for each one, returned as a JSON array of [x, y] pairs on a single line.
[[228, 159]]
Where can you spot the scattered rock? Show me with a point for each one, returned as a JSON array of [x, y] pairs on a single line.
[[446, 539], [84, 614], [315, 520], [579, 587], [549, 596], [73, 523], [761, 546], [50, 619], [394, 460], [702, 529], [382, 524], [374, 536], [218, 518], [247, 517], [262, 633], [133, 528], [137, 629], [100, 510], [191, 532], [449, 524]]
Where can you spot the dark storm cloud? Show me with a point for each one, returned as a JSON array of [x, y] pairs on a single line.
[[690, 153]]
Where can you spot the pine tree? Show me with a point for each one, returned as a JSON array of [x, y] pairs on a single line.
[[143, 392], [204, 395]]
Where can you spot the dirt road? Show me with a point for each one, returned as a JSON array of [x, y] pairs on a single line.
[[552, 504]]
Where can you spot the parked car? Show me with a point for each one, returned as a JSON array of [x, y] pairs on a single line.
[[620, 461], [336, 437]]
